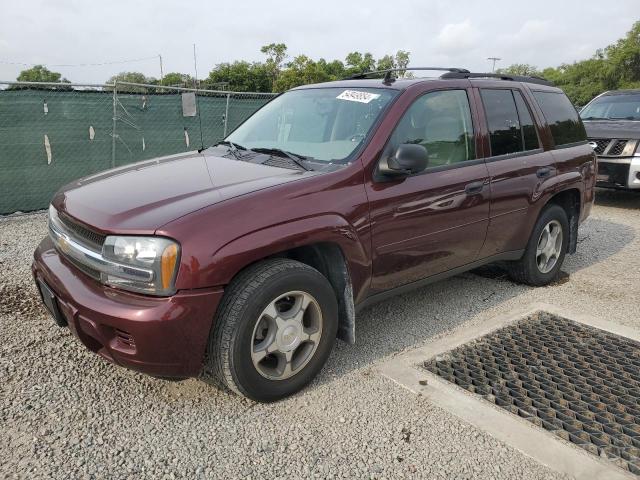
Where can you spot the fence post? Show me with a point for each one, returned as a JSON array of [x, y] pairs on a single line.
[[113, 129], [226, 116]]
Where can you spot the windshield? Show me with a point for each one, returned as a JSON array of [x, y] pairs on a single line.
[[613, 107], [325, 124]]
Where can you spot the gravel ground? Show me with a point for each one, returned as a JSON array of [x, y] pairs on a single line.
[[66, 413]]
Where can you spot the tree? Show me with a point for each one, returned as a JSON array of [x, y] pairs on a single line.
[[387, 62], [301, 71], [398, 61], [276, 54], [624, 59], [131, 77], [242, 76], [614, 67], [359, 63], [39, 73], [176, 79], [519, 69], [402, 62]]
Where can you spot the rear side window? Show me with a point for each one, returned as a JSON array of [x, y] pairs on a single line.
[[529, 135], [562, 117], [504, 125]]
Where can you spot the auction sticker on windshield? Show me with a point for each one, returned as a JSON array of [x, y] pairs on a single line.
[[357, 96]]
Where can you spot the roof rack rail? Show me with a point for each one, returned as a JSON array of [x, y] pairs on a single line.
[[387, 73], [501, 76]]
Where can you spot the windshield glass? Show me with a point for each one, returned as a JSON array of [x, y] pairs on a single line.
[[325, 124], [611, 107]]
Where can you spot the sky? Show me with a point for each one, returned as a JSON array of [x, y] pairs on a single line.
[[460, 33]]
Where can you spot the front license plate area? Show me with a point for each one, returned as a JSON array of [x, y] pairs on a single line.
[[49, 300]]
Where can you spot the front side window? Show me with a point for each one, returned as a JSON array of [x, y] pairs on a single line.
[[561, 115], [624, 106], [441, 122], [324, 124]]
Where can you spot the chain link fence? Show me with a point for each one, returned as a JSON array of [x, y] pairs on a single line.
[[52, 133]]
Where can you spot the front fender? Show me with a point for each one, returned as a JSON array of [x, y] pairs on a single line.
[[237, 254]]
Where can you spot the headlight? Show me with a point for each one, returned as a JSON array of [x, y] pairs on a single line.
[[140, 264], [156, 256]]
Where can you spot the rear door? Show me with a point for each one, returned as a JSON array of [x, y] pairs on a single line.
[[573, 156], [518, 165], [436, 220]]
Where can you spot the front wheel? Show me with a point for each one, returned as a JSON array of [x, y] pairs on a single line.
[[273, 331], [546, 249]]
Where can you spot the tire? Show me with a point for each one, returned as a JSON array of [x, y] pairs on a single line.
[[527, 270], [264, 305]]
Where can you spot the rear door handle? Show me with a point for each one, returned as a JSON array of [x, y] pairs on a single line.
[[543, 172], [474, 188]]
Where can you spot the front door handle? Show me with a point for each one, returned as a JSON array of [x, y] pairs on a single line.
[[474, 188], [543, 172]]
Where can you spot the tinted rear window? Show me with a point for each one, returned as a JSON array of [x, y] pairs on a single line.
[[562, 117]]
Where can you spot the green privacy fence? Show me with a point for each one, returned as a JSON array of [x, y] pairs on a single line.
[[50, 135]]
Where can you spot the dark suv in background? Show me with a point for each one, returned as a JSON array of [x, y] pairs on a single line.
[[612, 121], [242, 263]]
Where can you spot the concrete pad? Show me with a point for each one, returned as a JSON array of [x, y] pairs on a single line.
[[533, 441]]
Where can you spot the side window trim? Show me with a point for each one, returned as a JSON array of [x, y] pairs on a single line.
[[535, 127], [507, 156]]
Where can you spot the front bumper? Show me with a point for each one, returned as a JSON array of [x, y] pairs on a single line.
[[619, 172], [162, 336]]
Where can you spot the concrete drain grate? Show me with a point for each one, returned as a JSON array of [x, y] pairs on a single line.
[[577, 381]]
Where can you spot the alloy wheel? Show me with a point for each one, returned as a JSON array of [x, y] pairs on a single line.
[[549, 246], [286, 335]]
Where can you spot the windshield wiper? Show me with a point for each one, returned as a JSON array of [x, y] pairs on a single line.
[[233, 147], [297, 159], [630, 117], [594, 118]]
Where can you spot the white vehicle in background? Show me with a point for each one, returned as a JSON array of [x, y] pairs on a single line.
[[612, 121]]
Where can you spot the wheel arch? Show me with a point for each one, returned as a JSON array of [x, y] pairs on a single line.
[[570, 201], [327, 243]]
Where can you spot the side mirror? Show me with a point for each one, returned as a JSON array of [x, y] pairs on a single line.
[[408, 158]]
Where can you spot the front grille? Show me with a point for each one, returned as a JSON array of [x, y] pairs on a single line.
[[95, 274], [601, 144], [578, 382], [88, 237], [617, 147]]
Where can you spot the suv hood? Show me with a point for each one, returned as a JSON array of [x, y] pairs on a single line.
[[623, 129], [141, 197]]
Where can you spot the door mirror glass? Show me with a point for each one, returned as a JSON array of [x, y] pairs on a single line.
[[408, 159]]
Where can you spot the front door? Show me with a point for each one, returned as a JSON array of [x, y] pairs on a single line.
[[434, 221]]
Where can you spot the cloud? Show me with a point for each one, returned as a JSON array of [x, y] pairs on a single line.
[[457, 37]]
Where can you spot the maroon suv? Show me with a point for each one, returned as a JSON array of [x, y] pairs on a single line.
[[242, 263]]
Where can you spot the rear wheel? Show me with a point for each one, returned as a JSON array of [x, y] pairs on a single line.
[[273, 331], [545, 250]]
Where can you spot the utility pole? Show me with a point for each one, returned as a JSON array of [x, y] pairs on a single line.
[[494, 60], [195, 67], [161, 72]]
